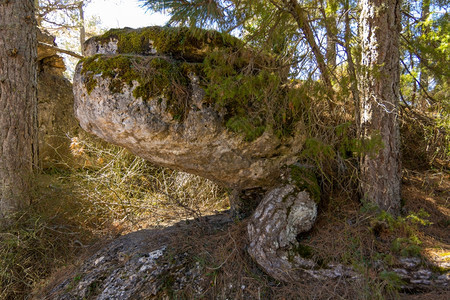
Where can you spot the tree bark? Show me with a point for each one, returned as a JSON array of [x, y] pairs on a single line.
[[379, 88], [331, 43], [424, 76], [18, 103], [331, 30]]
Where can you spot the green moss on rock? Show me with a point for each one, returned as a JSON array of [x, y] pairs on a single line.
[[248, 85], [303, 250], [178, 42], [248, 128], [305, 179], [117, 68], [154, 76]]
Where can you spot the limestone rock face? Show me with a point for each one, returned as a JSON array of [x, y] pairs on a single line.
[[115, 105], [282, 214], [139, 265], [55, 107]]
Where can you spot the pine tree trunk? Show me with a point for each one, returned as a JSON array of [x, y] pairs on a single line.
[[379, 88], [300, 16], [331, 44], [18, 103], [350, 63]]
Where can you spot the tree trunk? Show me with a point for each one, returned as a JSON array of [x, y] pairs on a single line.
[[350, 63], [331, 43], [18, 103], [379, 88], [331, 29]]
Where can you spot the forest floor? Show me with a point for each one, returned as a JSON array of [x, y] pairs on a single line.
[[77, 212], [346, 232]]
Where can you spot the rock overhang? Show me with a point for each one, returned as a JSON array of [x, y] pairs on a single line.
[[145, 89]]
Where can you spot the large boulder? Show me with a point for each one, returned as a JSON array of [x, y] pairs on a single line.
[[201, 102], [147, 90]]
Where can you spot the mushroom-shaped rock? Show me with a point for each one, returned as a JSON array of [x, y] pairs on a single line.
[[203, 103], [165, 94]]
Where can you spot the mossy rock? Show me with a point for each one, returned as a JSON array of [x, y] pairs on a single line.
[[246, 84], [178, 42], [305, 179], [155, 77]]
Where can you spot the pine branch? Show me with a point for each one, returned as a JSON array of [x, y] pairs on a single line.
[[300, 17]]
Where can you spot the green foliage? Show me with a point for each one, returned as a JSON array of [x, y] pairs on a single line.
[[186, 43], [407, 243], [317, 150], [301, 250], [305, 179], [424, 81], [248, 84], [195, 13], [253, 95], [392, 280], [419, 218], [407, 247], [241, 124]]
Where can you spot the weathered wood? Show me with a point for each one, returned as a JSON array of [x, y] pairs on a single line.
[[68, 52]]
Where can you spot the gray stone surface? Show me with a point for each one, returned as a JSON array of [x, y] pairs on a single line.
[[139, 265], [199, 144]]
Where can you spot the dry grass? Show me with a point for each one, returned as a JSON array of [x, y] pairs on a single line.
[[346, 232], [111, 192]]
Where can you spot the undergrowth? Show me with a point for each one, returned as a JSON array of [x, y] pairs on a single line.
[[109, 192], [350, 237]]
